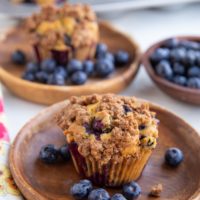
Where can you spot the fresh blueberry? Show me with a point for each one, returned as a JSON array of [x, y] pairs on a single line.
[[62, 71], [18, 57], [178, 55], [180, 80], [28, 76], [173, 156], [99, 194], [160, 54], [190, 44], [88, 67], [56, 79], [190, 58], [74, 66], [194, 83], [48, 65], [79, 78], [64, 152], [42, 76], [104, 68], [81, 190], [194, 71], [101, 50], [32, 67], [110, 56], [179, 69], [121, 58], [131, 190], [198, 58], [164, 69], [118, 197], [171, 43], [49, 154]]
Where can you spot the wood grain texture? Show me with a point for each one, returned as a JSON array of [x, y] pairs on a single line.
[[46, 94], [38, 181], [181, 93]]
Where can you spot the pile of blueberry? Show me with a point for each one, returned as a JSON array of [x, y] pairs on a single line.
[[75, 72], [178, 61]]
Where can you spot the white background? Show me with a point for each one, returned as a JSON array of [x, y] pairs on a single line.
[[146, 27]]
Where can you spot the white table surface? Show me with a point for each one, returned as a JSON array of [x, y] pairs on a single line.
[[147, 27]]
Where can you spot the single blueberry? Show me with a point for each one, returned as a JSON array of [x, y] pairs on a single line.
[[110, 56], [194, 71], [79, 78], [127, 109], [29, 76], [194, 83], [173, 156], [131, 190], [118, 197], [178, 55], [97, 126], [99, 194], [42, 76], [104, 68], [62, 71], [32, 67], [164, 69], [121, 58], [159, 55], [101, 49], [179, 69], [74, 66], [198, 58], [18, 57], [56, 79], [190, 58], [88, 67], [180, 80], [171, 43], [49, 154], [48, 65], [64, 152], [142, 127]]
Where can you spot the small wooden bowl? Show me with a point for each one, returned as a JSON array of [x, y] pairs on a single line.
[[46, 94], [182, 93], [38, 181]]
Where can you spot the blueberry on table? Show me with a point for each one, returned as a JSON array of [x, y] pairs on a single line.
[[172, 43], [179, 69], [49, 154], [62, 71], [173, 156], [178, 55], [121, 58], [28, 76], [88, 67], [18, 57], [118, 197], [131, 190], [81, 190], [64, 152], [194, 71], [56, 79], [48, 65], [180, 80], [42, 76], [32, 67], [164, 69], [104, 68], [99, 194], [78, 78], [101, 50], [74, 66], [194, 83], [160, 54]]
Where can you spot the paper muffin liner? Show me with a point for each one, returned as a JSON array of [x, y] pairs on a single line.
[[111, 174]]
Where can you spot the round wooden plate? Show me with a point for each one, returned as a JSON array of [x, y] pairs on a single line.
[[46, 94], [38, 181]]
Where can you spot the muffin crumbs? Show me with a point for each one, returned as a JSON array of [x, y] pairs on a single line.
[[156, 190]]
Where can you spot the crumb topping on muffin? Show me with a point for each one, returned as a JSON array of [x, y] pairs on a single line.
[[109, 127]]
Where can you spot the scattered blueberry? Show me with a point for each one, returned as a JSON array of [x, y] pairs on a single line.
[[179, 69], [74, 66], [194, 71], [64, 152], [28, 76], [131, 190], [173, 156], [88, 67], [18, 57], [42, 76], [56, 79], [48, 65], [160, 54], [180, 80], [101, 50], [99, 194], [194, 83], [49, 154], [172, 43], [78, 78], [164, 69], [104, 68], [118, 197], [121, 58], [32, 67]]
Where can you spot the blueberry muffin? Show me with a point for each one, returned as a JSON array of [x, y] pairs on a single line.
[[70, 31], [110, 137]]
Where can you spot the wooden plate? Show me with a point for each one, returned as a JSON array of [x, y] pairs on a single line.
[[47, 94], [38, 181], [181, 93]]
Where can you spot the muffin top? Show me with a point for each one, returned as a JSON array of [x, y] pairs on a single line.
[[109, 127], [69, 26]]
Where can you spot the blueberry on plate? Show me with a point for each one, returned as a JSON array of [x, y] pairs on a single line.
[[42, 76], [180, 80], [78, 78], [121, 58], [194, 71], [172, 43], [74, 66], [104, 68], [160, 54], [64, 152], [56, 79], [131, 190], [32, 67], [62, 71], [81, 190], [88, 67], [101, 50], [48, 65], [173, 156], [49, 154], [194, 83], [179, 69], [99, 194], [178, 55], [164, 69], [28, 76], [118, 197], [18, 57]]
